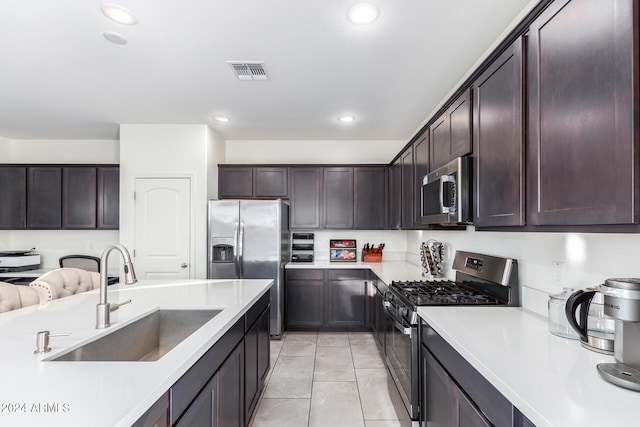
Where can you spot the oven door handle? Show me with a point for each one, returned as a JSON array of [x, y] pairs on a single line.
[[404, 329]]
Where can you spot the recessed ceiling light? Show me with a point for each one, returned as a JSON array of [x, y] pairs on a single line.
[[114, 37], [346, 119], [221, 119], [363, 13], [119, 14]]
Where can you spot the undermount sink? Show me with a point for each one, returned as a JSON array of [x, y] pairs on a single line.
[[145, 340]]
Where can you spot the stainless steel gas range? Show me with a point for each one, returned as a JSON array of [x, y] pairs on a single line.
[[479, 280]]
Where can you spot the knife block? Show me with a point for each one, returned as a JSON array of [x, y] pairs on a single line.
[[370, 255]]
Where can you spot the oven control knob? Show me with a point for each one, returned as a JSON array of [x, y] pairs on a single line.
[[404, 312], [389, 296]]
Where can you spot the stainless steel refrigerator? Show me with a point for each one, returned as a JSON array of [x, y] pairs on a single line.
[[250, 239]]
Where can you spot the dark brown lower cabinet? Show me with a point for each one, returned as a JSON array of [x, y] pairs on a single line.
[[326, 299], [257, 357], [228, 410], [453, 393]]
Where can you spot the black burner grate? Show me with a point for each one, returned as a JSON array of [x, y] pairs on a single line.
[[445, 292]]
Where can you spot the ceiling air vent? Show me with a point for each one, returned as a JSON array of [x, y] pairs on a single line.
[[249, 70]]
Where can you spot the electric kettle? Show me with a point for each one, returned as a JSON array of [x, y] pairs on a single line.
[[596, 330]]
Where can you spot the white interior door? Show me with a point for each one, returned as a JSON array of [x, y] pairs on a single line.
[[163, 228]]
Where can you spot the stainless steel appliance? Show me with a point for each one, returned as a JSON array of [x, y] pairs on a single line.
[[480, 280], [250, 239], [596, 330], [622, 302], [446, 194]]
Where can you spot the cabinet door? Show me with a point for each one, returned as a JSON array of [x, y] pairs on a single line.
[[466, 412], [346, 298], [438, 404], [460, 126], [264, 346], [229, 395], [407, 189], [420, 169], [44, 198], [450, 134], [304, 297], [201, 411], [395, 190], [109, 198], [338, 198], [251, 380], [499, 142], [440, 137], [270, 182], [370, 200], [581, 86], [305, 186], [13, 209], [235, 182], [79, 197]]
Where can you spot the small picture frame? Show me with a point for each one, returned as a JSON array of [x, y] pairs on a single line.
[[342, 250]]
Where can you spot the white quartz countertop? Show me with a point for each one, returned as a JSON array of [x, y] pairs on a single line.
[[387, 271], [34, 391], [552, 380]]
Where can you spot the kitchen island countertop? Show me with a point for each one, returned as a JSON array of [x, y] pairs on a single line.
[[34, 391], [553, 381]]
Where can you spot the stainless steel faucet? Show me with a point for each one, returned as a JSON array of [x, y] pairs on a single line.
[[104, 309]]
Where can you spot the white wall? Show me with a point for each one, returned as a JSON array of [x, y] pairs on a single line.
[[318, 152], [588, 258], [168, 150], [64, 151], [52, 244], [5, 150], [216, 153]]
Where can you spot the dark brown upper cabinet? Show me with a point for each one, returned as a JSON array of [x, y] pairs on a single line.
[[235, 182], [108, 198], [498, 141], [44, 197], [252, 182], [79, 196], [13, 209], [582, 85], [338, 198], [370, 198], [270, 182], [395, 189], [450, 133], [305, 192], [407, 186], [420, 169]]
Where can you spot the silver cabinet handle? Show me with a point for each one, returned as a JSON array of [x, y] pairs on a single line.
[[184, 265]]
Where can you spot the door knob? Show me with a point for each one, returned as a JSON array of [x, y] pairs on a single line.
[[184, 265]]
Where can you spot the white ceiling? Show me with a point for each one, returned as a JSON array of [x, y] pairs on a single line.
[[60, 78]]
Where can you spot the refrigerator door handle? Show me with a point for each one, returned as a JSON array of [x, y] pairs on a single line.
[[235, 249], [241, 249]]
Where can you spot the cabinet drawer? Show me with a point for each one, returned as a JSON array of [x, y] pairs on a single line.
[[255, 311], [305, 274], [346, 274]]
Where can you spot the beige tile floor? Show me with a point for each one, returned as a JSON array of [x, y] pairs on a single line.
[[328, 380]]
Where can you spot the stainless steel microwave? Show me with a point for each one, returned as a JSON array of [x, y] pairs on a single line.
[[446, 194]]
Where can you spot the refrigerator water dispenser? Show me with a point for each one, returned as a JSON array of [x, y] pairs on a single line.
[[222, 253]]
